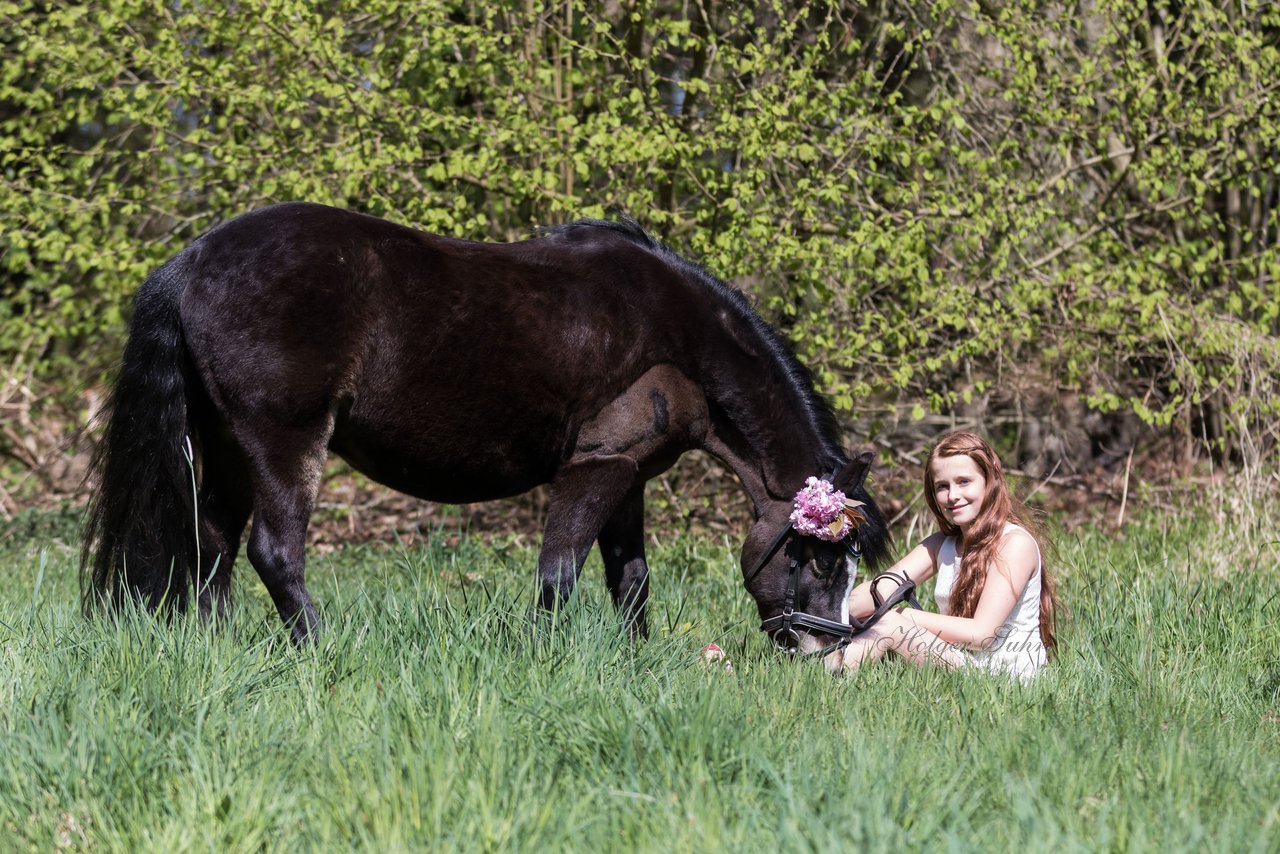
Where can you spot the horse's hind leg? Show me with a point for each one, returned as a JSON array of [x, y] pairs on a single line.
[[286, 475], [625, 570], [584, 496], [226, 499]]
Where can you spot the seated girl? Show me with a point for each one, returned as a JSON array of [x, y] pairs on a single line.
[[996, 604]]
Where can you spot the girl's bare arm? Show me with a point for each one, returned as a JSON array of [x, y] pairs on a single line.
[[919, 564]]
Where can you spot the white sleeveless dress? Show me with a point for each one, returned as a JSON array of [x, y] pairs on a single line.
[[1017, 648]]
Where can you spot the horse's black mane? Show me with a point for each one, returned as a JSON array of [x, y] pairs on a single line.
[[624, 225], [797, 375]]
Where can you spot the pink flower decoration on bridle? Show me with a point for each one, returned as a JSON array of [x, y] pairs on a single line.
[[824, 512]]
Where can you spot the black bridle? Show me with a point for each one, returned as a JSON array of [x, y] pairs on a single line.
[[786, 623]]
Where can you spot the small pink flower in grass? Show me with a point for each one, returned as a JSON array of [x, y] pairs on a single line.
[[823, 511], [713, 654]]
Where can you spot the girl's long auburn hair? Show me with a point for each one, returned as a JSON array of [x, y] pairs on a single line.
[[999, 507]]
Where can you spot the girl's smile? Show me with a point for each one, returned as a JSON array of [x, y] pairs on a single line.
[[959, 488]]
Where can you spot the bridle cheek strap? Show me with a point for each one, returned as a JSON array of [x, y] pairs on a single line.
[[769, 553]]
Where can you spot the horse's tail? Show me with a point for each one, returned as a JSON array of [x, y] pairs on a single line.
[[140, 532]]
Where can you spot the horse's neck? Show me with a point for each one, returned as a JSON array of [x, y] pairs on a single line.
[[771, 468], [766, 424], [764, 478]]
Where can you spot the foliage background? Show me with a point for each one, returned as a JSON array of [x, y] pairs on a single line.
[[1056, 218]]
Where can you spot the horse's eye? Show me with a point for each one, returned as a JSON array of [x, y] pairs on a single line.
[[825, 567]]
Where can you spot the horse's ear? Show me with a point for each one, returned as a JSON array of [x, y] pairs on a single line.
[[853, 474]]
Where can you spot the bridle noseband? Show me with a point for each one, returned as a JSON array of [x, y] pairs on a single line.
[[786, 624]]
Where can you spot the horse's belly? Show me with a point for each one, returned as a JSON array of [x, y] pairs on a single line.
[[448, 465]]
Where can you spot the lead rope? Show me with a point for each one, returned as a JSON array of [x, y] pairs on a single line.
[[904, 592]]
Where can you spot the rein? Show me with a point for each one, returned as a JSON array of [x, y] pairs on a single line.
[[789, 620]]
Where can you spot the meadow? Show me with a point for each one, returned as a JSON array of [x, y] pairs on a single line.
[[431, 718]]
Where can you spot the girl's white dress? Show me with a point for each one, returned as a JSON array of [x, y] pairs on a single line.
[[1016, 649]]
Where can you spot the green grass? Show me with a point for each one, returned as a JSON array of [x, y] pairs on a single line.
[[430, 718]]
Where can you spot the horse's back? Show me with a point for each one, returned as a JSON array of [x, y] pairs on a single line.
[[304, 263], [471, 362]]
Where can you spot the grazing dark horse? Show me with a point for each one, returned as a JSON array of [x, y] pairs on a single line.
[[589, 359]]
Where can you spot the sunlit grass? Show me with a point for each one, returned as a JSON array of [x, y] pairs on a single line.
[[430, 717]]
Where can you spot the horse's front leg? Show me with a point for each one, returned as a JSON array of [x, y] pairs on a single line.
[[625, 570], [584, 496]]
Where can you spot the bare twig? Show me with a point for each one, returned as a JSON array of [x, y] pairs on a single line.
[[1124, 495]]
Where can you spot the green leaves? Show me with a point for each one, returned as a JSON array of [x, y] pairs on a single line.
[[917, 196]]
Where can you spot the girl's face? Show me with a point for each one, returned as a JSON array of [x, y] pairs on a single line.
[[958, 487]]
